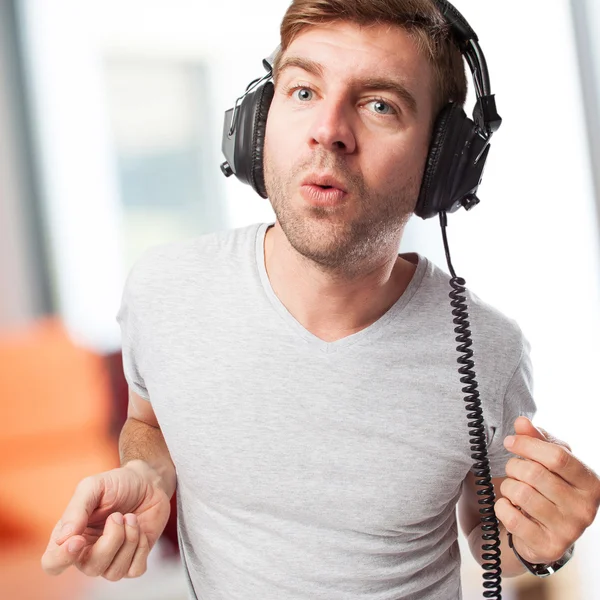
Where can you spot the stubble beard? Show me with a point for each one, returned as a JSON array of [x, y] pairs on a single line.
[[327, 236]]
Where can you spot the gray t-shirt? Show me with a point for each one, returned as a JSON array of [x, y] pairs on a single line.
[[309, 469]]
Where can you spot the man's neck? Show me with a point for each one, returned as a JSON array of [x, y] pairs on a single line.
[[331, 307]]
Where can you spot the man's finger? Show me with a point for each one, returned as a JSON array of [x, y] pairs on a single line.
[[139, 564], [121, 563], [102, 553]]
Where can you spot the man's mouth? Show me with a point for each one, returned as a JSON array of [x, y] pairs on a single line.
[[322, 195], [325, 181]]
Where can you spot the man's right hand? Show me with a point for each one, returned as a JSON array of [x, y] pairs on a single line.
[[110, 525]]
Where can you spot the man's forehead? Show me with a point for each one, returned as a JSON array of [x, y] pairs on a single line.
[[388, 47]]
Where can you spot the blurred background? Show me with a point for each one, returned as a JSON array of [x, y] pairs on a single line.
[[111, 115]]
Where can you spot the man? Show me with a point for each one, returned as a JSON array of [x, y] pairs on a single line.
[[298, 382]]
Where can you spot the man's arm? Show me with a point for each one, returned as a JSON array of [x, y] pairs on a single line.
[[470, 522], [142, 446]]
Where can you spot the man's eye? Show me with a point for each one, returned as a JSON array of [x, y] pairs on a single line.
[[380, 105], [304, 93]]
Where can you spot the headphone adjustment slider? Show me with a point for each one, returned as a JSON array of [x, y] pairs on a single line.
[[486, 115]]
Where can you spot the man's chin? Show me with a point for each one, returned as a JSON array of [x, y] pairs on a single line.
[[319, 240]]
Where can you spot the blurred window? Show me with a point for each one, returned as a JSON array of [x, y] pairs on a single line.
[[159, 116]]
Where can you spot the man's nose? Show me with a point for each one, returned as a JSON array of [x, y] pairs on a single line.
[[332, 127]]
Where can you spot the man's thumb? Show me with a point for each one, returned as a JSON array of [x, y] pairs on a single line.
[[523, 426]]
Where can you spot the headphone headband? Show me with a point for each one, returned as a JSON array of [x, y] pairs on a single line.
[[462, 31]]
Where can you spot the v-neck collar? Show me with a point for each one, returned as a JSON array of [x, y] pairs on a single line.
[[364, 335]]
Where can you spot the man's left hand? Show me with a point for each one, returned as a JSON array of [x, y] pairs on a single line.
[[550, 499]]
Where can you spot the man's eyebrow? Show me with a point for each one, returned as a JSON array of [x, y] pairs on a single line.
[[368, 83], [306, 64]]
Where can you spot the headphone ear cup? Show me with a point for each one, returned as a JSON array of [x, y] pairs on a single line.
[[250, 140], [258, 139], [455, 163], [431, 175]]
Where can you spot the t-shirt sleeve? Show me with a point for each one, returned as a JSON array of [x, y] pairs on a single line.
[[130, 336], [518, 401]]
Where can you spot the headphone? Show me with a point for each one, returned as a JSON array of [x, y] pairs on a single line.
[[458, 149]]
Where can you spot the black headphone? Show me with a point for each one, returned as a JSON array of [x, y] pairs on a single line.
[[457, 153]]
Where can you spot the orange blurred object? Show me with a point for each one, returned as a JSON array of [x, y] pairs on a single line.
[[55, 402]]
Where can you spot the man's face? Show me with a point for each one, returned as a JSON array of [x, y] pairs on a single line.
[[372, 139]]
